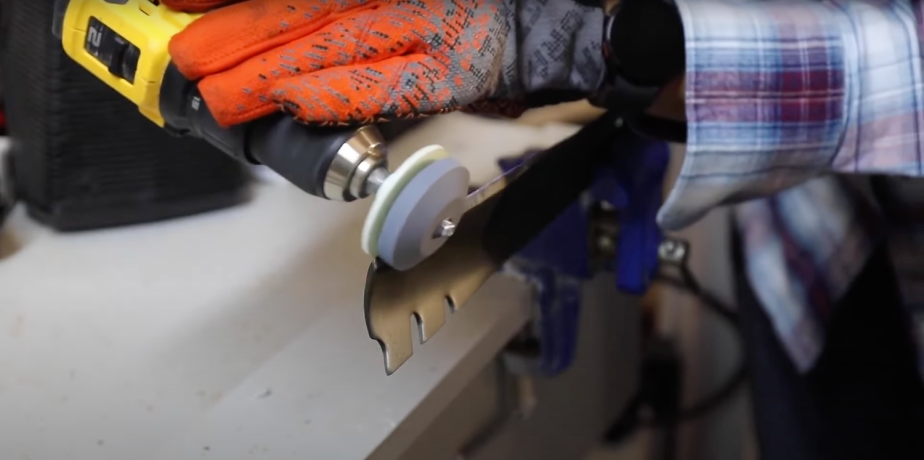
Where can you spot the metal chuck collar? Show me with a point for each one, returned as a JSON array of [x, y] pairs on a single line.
[[416, 208]]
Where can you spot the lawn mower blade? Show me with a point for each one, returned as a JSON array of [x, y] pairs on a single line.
[[501, 218]]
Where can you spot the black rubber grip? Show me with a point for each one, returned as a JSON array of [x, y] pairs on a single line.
[[299, 153]]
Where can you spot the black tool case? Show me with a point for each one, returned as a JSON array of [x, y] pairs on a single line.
[[83, 156]]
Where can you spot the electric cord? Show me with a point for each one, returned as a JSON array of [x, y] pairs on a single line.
[[633, 417], [729, 317]]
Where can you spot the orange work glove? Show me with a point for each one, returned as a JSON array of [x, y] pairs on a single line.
[[362, 61]]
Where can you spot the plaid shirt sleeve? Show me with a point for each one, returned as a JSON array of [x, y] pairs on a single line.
[[781, 91], [780, 94]]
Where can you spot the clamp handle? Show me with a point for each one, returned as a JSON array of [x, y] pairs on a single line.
[[640, 171]]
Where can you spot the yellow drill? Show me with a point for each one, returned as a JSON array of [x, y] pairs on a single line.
[[124, 44]]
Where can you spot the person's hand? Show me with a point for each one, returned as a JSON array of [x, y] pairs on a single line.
[[362, 61]]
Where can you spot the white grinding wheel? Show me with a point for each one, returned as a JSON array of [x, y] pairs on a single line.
[[413, 227], [390, 189]]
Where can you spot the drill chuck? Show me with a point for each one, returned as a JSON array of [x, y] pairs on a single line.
[[336, 163]]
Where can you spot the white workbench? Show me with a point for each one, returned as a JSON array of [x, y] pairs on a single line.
[[238, 334]]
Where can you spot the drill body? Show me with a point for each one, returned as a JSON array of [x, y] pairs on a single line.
[[124, 43]]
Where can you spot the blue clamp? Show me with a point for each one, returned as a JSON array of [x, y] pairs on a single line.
[[638, 169], [559, 259]]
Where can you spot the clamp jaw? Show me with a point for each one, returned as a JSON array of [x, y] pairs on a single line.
[[610, 229]]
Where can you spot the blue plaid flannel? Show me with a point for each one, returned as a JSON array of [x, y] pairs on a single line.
[[791, 105]]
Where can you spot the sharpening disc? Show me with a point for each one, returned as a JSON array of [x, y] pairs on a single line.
[[411, 230], [389, 191]]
